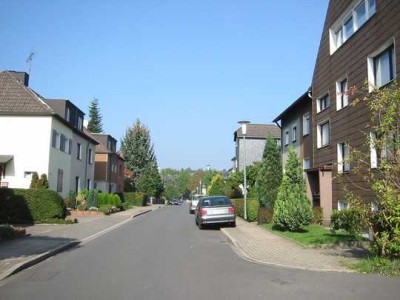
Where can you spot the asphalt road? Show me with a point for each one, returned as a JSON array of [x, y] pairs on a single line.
[[163, 255]]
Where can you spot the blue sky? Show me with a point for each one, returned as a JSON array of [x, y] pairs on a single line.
[[188, 69]]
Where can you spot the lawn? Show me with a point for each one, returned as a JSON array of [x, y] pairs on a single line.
[[313, 235]]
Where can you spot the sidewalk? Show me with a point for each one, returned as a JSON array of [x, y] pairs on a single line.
[[262, 246], [45, 240]]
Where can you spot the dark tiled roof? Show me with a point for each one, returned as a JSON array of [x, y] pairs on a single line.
[[18, 99], [300, 101], [260, 131]]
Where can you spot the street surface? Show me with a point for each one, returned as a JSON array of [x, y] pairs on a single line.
[[163, 255]]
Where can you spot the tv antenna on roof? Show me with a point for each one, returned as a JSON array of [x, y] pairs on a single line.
[[29, 59]]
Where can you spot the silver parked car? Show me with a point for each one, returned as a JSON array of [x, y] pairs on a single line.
[[215, 210]]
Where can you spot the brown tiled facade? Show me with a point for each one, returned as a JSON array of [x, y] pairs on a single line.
[[353, 61]]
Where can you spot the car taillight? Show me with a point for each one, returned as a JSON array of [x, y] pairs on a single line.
[[203, 211], [231, 210]]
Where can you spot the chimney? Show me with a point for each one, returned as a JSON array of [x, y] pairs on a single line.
[[21, 76]]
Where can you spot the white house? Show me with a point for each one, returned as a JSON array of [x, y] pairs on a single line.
[[43, 136]]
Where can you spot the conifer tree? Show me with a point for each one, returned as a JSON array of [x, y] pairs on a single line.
[[95, 118], [292, 209], [137, 149], [269, 176]]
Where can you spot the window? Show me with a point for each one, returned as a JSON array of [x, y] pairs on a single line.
[[68, 114], [306, 163], [384, 67], [286, 138], [55, 141], [342, 98], [361, 14], [348, 28], [352, 21], [294, 133], [88, 184], [63, 140], [60, 175], [90, 154], [342, 204], [323, 134], [80, 122], [306, 124], [77, 184], [343, 155], [323, 103], [79, 151]]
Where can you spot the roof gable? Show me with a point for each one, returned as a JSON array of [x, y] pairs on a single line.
[[259, 131], [18, 99]]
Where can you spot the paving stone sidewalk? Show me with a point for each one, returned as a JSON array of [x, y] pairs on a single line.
[[45, 240], [259, 245]]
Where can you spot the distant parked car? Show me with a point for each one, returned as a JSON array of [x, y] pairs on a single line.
[[215, 210], [193, 203]]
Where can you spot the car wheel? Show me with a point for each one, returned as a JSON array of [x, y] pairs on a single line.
[[233, 224], [201, 226]]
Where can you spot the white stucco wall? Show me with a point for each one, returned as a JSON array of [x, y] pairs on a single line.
[[60, 160], [28, 140]]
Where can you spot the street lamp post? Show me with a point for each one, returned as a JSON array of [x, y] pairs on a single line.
[[244, 132]]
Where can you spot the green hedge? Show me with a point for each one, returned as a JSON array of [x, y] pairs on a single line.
[[252, 208], [136, 199], [30, 205]]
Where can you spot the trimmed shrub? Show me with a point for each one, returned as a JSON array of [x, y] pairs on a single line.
[[265, 215], [351, 220], [106, 209], [252, 208], [30, 205], [136, 199], [318, 215]]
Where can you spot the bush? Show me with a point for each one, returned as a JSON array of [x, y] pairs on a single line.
[[106, 209], [351, 220], [265, 215], [125, 205], [92, 199], [70, 201], [30, 205], [292, 209], [318, 215], [252, 208], [136, 199]]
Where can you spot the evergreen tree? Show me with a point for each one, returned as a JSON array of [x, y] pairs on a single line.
[[95, 125], [292, 209], [269, 176], [43, 182], [150, 181], [137, 149], [217, 185], [34, 181]]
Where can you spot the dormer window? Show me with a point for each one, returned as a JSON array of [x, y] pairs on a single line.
[[351, 21]]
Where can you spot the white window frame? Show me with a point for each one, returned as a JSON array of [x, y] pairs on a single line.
[[306, 124], [343, 155], [320, 134], [337, 36], [342, 97], [286, 137], [79, 151], [323, 103], [343, 204], [371, 64], [90, 156], [306, 163], [294, 133]]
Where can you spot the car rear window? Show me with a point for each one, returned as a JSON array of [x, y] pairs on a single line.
[[215, 201]]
